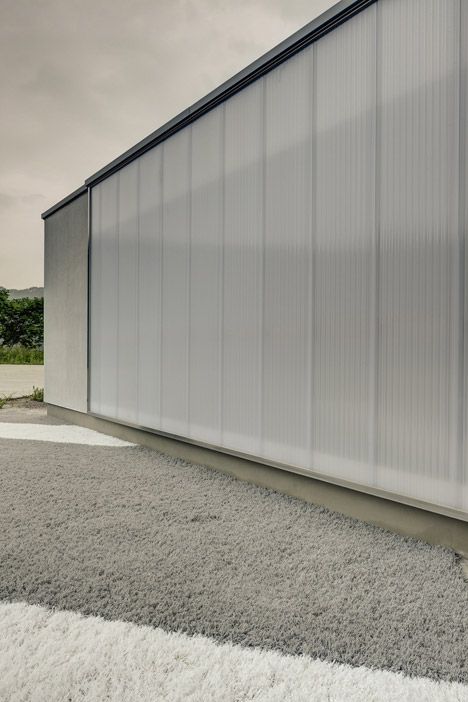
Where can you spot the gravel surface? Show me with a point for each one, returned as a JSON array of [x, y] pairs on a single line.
[[131, 534]]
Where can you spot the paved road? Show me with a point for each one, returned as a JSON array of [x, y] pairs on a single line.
[[18, 381]]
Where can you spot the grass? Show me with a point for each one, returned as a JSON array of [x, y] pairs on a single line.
[[21, 355], [37, 394], [3, 400]]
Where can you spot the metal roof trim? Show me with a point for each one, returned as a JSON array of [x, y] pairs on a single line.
[[65, 201]]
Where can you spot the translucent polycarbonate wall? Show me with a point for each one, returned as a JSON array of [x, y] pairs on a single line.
[[285, 277]]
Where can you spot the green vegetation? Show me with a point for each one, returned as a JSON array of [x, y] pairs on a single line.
[[21, 329], [20, 355], [37, 394], [3, 400]]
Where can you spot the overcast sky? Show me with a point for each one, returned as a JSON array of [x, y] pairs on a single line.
[[83, 80]]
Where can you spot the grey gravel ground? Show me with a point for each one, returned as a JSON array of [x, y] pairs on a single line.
[[128, 533], [26, 411]]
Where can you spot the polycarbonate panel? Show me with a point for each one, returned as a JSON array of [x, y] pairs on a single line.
[[95, 321], [175, 283], [150, 208], [104, 307], [344, 234], [243, 269], [287, 261], [286, 276], [127, 295], [418, 256], [206, 278]]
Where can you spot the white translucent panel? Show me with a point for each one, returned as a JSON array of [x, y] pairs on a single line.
[[243, 269], [104, 289], [287, 261], [175, 284], [286, 276], [149, 287], [344, 232], [127, 381], [205, 277], [418, 200], [95, 321]]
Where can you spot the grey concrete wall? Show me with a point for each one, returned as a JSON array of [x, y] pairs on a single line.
[[65, 300]]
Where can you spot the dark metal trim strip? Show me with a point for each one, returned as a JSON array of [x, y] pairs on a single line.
[[66, 201]]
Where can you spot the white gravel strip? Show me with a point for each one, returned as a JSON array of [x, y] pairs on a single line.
[[58, 433], [58, 656]]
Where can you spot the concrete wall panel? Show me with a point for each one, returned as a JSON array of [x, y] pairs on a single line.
[[66, 315]]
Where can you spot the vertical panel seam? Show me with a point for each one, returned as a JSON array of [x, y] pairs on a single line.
[[261, 361], [189, 275], [161, 290], [92, 311], [137, 285], [117, 235], [159, 223], [375, 272], [99, 384], [222, 215], [461, 258], [88, 306], [92, 385], [312, 253], [100, 296]]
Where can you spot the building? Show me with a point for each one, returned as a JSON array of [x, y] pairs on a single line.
[[278, 273]]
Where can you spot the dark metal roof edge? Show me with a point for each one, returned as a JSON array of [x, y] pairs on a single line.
[[65, 201], [326, 22]]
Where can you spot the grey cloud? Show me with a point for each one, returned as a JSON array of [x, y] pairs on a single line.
[[33, 199], [82, 81]]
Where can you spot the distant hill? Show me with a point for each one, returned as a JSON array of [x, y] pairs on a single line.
[[27, 292]]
